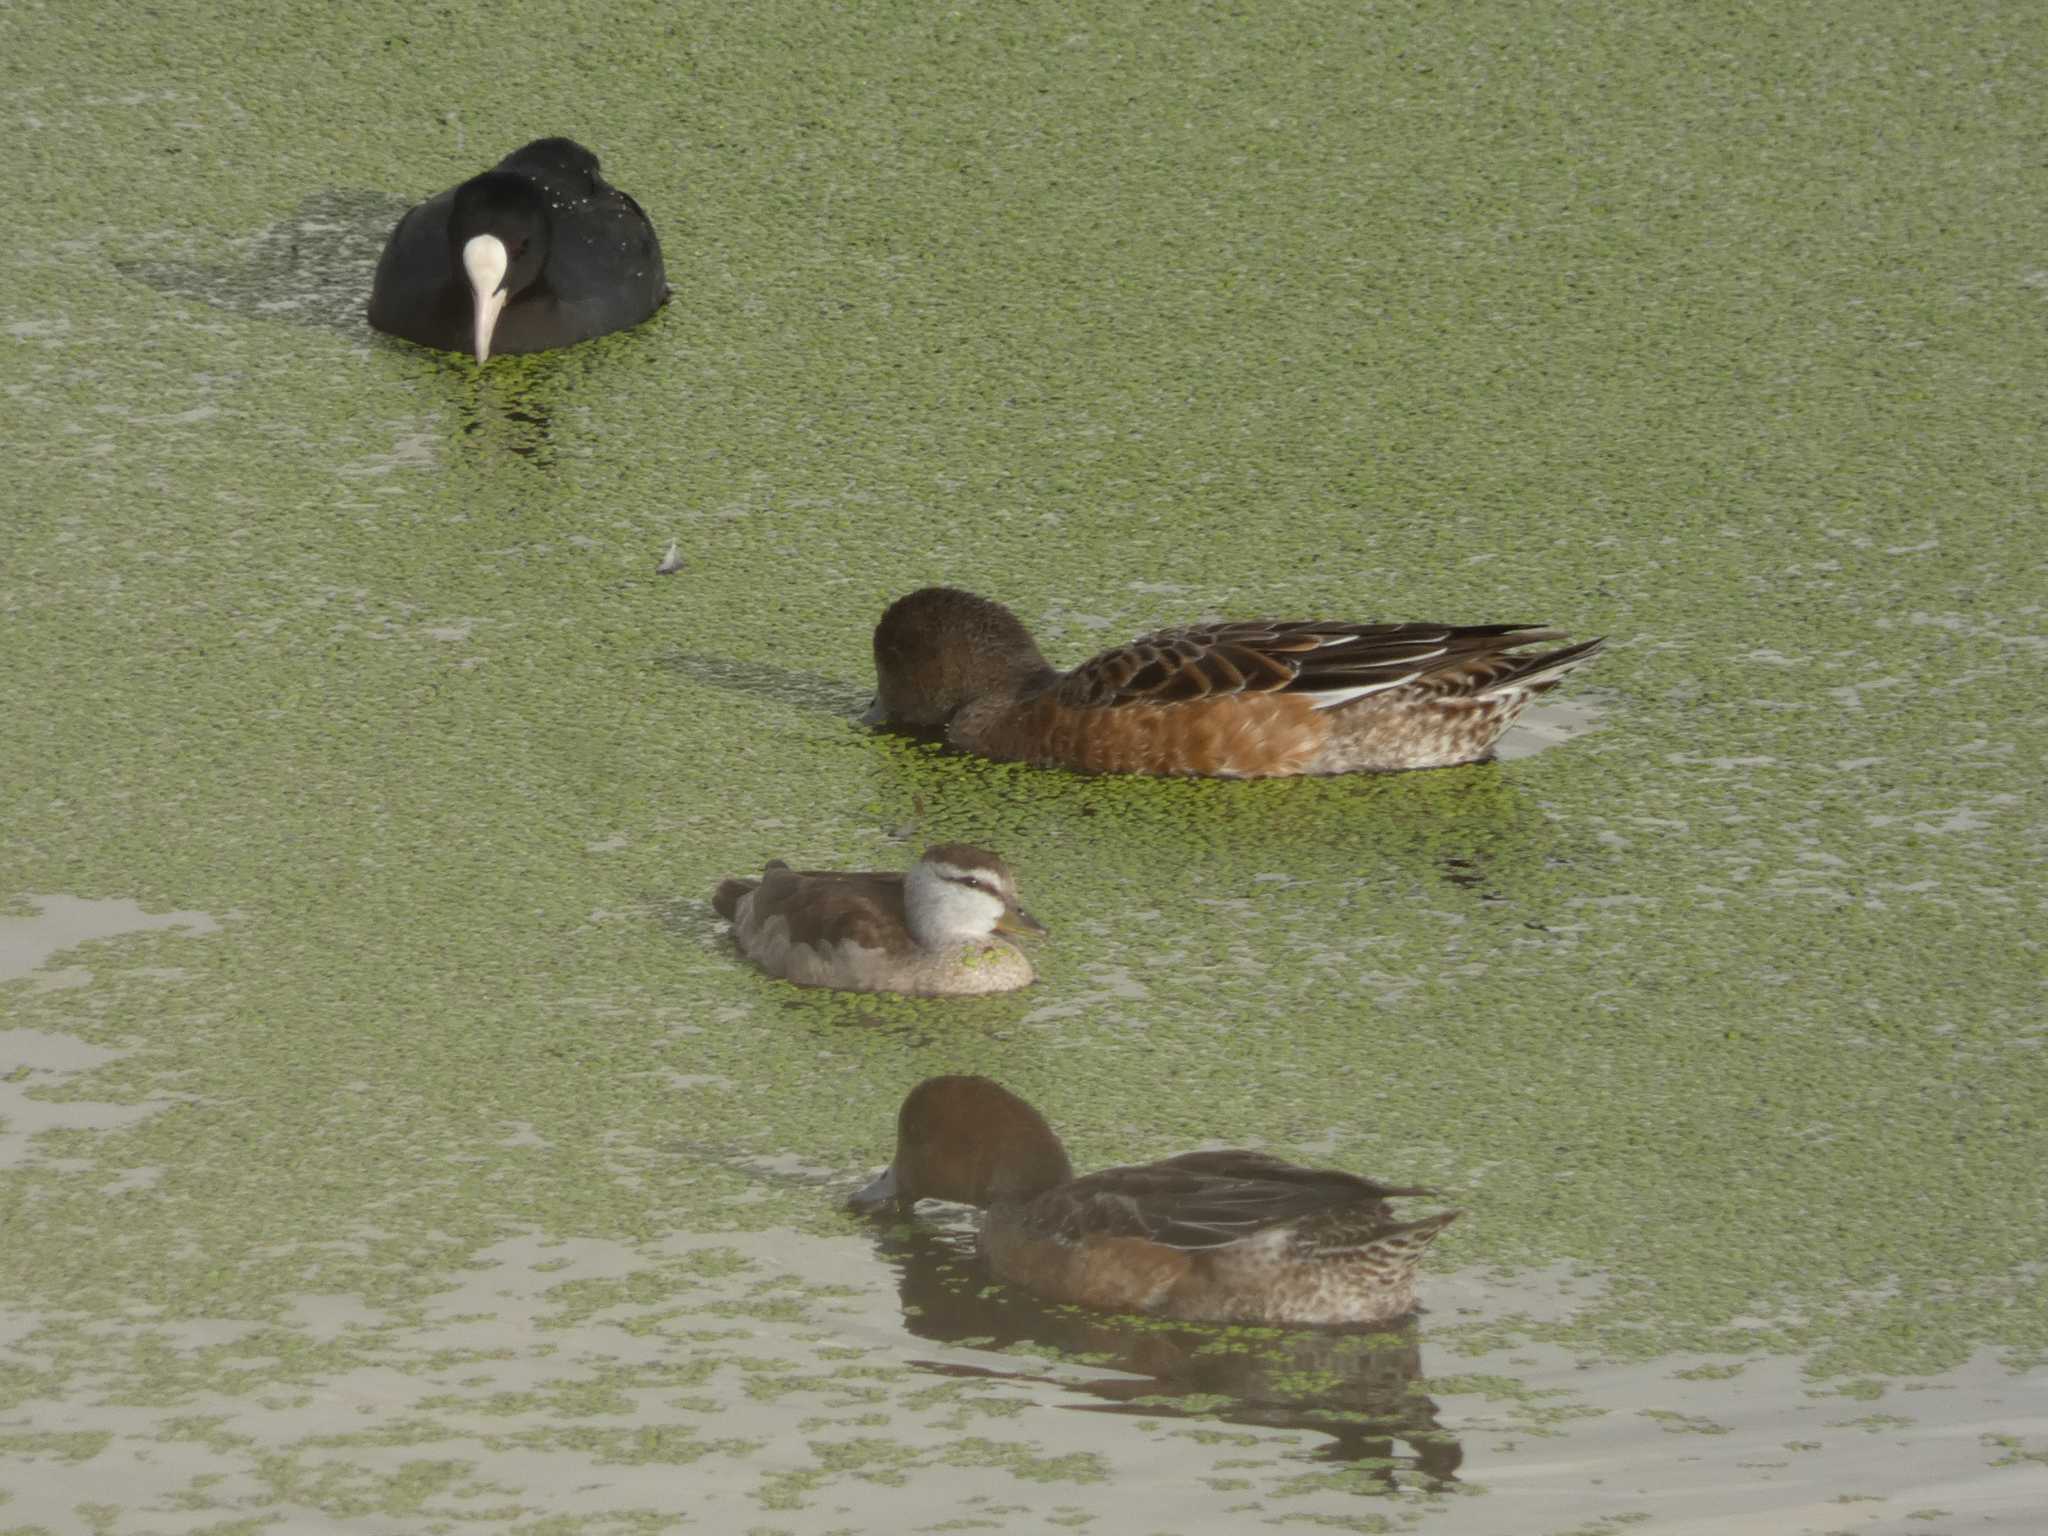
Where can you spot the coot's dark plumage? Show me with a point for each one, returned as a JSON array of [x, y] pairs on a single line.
[[538, 252]]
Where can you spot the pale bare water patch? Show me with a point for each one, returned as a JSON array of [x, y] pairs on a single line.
[[63, 922], [33, 1062], [713, 1382], [1552, 721], [805, 1384], [1692, 1444]]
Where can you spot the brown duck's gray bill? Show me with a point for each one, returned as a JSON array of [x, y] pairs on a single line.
[[877, 1192]]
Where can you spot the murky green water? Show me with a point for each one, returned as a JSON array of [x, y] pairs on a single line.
[[438, 1165]]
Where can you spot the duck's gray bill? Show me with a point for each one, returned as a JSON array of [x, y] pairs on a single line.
[[878, 1192], [1017, 920], [873, 716]]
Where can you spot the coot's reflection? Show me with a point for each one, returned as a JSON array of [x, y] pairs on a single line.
[[1358, 1386], [510, 410]]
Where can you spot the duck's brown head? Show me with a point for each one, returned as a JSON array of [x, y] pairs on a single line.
[[971, 1140], [941, 648]]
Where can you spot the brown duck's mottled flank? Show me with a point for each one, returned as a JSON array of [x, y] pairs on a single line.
[[1246, 699], [1207, 1236]]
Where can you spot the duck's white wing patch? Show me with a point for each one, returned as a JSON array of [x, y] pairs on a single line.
[[1331, 698]]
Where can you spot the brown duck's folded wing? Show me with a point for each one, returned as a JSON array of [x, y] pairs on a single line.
[[1337, 660], [1205, 1199], [1479, 670], [833, 906], [1239, 1164]]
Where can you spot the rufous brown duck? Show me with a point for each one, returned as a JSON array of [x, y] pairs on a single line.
[[1207, 1236], [1246, 699]]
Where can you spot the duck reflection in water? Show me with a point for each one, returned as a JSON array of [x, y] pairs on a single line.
[[1360, 1386]]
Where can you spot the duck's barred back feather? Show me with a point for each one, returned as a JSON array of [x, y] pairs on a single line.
[[1330, 661], [1344, 1236]]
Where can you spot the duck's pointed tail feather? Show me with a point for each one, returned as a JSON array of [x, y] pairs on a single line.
[[1541, 673]]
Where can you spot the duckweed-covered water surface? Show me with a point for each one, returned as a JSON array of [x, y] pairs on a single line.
[[388, 1137]]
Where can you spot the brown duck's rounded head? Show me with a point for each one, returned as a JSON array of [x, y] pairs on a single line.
[[941, 648], [970, 1140]]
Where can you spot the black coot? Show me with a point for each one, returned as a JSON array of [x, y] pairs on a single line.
[[539, 252]]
